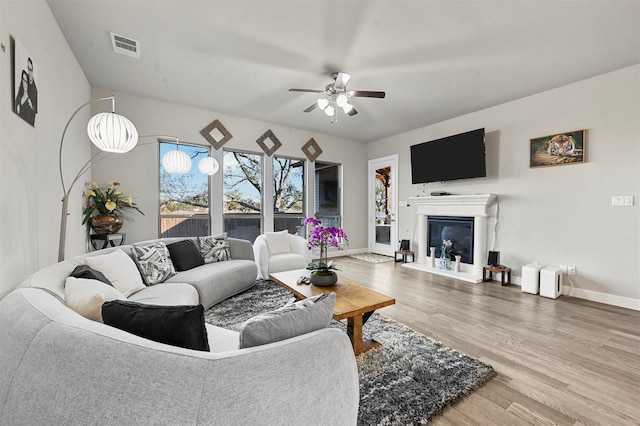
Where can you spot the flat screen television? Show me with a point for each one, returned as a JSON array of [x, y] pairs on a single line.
[[454, 157]]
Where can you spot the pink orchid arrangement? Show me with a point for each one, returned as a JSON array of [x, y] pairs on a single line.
[[322, 237]]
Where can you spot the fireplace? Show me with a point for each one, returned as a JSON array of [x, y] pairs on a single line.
[[457, 229], [469, 212]]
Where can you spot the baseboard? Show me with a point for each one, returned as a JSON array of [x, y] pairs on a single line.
[[595, 296], [598, 296]]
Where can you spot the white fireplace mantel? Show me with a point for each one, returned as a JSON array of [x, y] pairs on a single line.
[[476, 206]]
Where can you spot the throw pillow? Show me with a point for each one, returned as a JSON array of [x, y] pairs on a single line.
[[85, 271], [291, 320], [214, 249], [185, 255], [278, 242], [181, 326], [120, 269], [154, 262], [86, 296]]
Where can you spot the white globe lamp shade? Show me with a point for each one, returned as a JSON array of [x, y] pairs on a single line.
[[322, 103], [176, 161], [208, 166], [342, 100], [329, 110], [112, 132]]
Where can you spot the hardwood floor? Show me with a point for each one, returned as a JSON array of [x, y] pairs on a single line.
[[566, 361]]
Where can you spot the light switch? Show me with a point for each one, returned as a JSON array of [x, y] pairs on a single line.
[[622, 200]]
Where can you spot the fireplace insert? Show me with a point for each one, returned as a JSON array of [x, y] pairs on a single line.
[[455, 228]]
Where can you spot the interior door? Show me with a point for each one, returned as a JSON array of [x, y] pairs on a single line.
[[383, 205]]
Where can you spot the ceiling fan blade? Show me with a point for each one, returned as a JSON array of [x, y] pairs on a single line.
[[307, 90], [352, 112], [365, 94], [312, 107], [341, 81]]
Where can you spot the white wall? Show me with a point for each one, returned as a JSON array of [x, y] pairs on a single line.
[[555, 215], [30, 189], [137, 171]]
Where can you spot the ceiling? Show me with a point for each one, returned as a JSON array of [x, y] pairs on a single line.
[[434, 59]]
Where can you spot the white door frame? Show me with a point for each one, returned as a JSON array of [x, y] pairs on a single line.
[[377, 163]]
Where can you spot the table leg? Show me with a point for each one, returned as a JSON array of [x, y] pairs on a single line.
[[354, 331]]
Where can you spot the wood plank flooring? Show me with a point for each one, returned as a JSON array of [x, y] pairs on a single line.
[[566, 361]]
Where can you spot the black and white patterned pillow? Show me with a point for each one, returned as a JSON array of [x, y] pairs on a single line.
[[214, 249], [154, 262]]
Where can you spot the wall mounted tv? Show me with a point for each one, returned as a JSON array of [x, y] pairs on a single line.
[[455, 157]]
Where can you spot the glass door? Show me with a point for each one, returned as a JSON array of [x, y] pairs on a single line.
[[383, 227]]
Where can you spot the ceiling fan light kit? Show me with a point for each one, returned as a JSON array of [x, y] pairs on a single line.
[[336, 95]]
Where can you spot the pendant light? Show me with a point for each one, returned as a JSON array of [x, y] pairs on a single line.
[[176, 161], [208, 166]]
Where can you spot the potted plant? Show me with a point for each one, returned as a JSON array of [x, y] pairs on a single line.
[[104, 207], [323, 273]]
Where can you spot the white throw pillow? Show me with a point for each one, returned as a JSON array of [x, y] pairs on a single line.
[[86, 296], [278, 242], [120, 269]]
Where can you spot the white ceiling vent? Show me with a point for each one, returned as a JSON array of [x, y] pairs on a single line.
[[125, 45]]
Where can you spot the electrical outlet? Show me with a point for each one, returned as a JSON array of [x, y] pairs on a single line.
[[564, 269], [572, 270]]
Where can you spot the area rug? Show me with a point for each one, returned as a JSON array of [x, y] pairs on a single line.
[[408, 380], [372, 257]]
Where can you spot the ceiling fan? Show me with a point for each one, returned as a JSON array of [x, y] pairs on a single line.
[[336, 95]]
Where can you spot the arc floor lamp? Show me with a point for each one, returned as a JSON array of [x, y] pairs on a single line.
[[115, 134], [108, 131]]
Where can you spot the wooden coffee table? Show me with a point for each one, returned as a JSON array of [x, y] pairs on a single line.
[[353, 302]]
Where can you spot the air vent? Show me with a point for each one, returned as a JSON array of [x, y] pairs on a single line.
[[125, 45]]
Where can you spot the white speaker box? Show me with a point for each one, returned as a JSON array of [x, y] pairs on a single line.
[[531, 278], [551, 282]]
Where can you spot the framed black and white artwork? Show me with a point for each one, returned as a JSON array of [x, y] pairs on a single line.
[[25, 101]]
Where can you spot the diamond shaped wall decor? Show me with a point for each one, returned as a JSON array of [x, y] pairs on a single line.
[[312, 150], [275, 143], [216, 134]]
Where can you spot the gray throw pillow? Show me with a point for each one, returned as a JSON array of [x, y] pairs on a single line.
[[293, 319], [214, 249], [154, 262]]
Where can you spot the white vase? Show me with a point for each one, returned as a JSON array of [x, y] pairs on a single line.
[[458, 257], [433, 256]]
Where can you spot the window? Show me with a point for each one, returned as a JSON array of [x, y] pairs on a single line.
[[327, 194], [242, 194], [184, 198], [288, 194]]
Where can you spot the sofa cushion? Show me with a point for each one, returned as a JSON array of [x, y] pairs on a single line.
[[181, 326], [293, 319], [120, 269], [86, 271], [167, 294], [215, 248], [154, 262], [185, 255], [278, 242], [216, 282], [86, 296]]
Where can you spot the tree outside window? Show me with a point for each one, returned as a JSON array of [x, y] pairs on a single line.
[[288, 194], [184, 198]]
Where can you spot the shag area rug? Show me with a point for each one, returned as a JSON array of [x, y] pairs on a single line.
[[408, 380], [372, 257]]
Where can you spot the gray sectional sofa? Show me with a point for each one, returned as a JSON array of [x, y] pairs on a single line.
[[58, 367]]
